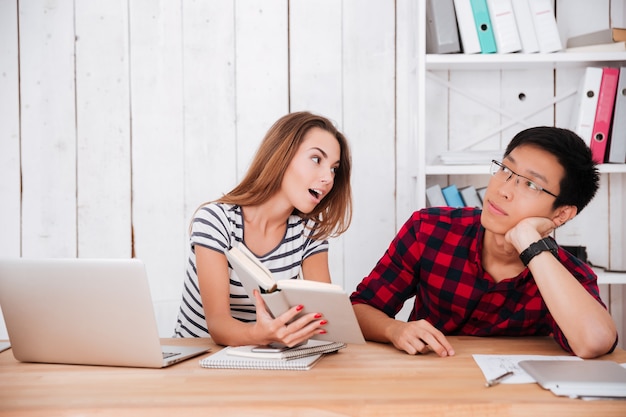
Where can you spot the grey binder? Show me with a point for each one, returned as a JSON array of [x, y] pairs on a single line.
[[442, 35]]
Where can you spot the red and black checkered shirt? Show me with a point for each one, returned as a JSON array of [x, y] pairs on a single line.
[[436, 256]]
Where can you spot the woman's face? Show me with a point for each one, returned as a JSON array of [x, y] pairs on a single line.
[[311, 173]]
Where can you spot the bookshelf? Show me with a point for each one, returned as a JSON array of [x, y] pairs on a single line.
[[478, 102]]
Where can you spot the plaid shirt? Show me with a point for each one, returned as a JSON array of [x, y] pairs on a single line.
[[436, 256]]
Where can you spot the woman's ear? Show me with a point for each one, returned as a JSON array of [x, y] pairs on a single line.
[[564, 214]]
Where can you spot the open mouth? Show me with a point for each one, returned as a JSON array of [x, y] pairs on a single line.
[[315, 193]]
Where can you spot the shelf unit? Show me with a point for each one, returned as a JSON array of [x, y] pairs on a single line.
[[515, 81]]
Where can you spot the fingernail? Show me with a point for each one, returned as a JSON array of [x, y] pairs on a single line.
[[323, 322], [317, 315], [322, 332], [299, 307]]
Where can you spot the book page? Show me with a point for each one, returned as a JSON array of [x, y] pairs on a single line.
[[302, 283]]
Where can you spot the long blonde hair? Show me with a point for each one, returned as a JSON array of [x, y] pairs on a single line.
[[265, 174]]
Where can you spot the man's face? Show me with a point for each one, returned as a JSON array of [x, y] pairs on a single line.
[[514, 192]]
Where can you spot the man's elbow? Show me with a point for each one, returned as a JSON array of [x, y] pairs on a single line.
[[598, 345]]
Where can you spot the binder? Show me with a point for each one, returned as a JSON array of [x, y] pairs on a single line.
[[453, 196], [481, 193], [435, 197], [525, 26], [467, 27], [584, 112], [442, 36], [617, 144], [604, 113], [504, 26], [471, 197], [546, 30], [483, 26]]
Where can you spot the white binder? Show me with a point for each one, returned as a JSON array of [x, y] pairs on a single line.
[[467, 27], [504, 26]]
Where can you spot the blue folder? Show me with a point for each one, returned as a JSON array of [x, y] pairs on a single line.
[[483, 26]]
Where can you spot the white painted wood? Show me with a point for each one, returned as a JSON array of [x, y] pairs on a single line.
[[315, 58], [9, 137], [103, 130], [9, 132], [407, 107], [48, 133], [369, 116], [617, 229], [579, 17], [315, 79], [262, 73], [590, 228], [158, 215], [209, 101]]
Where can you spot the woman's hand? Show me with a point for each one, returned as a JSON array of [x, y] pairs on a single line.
[[284, 329]]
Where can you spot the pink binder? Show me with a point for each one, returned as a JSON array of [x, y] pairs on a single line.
[[604, 114]]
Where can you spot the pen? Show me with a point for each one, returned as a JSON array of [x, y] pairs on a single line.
[[498, 379]]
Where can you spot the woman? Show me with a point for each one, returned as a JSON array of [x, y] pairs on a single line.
[[294, 196]]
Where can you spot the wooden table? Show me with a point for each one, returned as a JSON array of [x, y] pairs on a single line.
[[361, 380]]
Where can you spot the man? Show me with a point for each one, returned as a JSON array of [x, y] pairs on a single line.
[[495, 271]]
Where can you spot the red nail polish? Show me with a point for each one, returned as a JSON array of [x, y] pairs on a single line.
[[317, 315], [300, 307], [323, 322], [322, 332]]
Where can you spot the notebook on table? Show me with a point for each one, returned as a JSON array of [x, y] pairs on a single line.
[[225, 360], [83, 311], [586, 378]]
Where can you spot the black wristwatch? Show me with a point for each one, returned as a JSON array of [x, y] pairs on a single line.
[[536, 248]]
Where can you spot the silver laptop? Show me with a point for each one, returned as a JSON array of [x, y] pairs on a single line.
[[586, 378], [83, 311]]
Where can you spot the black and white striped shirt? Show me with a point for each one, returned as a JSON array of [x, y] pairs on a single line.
[[218, 227]]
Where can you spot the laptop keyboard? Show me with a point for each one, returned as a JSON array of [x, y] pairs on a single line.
[[170, 354]]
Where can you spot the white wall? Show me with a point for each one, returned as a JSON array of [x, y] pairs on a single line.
[[118, 118]]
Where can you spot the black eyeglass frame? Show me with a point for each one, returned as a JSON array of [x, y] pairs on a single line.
[[501, 165]]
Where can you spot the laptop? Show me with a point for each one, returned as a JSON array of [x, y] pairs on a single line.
[[579, 379], [84, 312]]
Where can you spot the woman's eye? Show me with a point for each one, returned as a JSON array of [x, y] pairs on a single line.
[[333, 170], [316, 159]]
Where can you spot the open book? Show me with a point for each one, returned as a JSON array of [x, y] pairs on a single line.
[[316, 297]]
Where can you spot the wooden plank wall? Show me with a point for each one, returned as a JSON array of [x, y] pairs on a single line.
[[118, 118]]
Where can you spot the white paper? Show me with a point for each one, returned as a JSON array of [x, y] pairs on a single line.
[[493, 366]]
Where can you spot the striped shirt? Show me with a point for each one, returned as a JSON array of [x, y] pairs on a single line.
[[436, 256], [218, 227]]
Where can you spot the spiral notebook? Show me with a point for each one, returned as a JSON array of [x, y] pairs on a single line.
[[225, 360]]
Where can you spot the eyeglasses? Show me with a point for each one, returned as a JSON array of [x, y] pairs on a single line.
[[504, 173]]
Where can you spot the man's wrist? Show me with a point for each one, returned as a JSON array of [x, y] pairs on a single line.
[[542, 245]]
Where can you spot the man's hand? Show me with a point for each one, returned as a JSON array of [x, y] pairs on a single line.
[[419, 337], [528, 231]]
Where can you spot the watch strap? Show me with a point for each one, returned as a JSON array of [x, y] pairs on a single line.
[[542, 245]]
